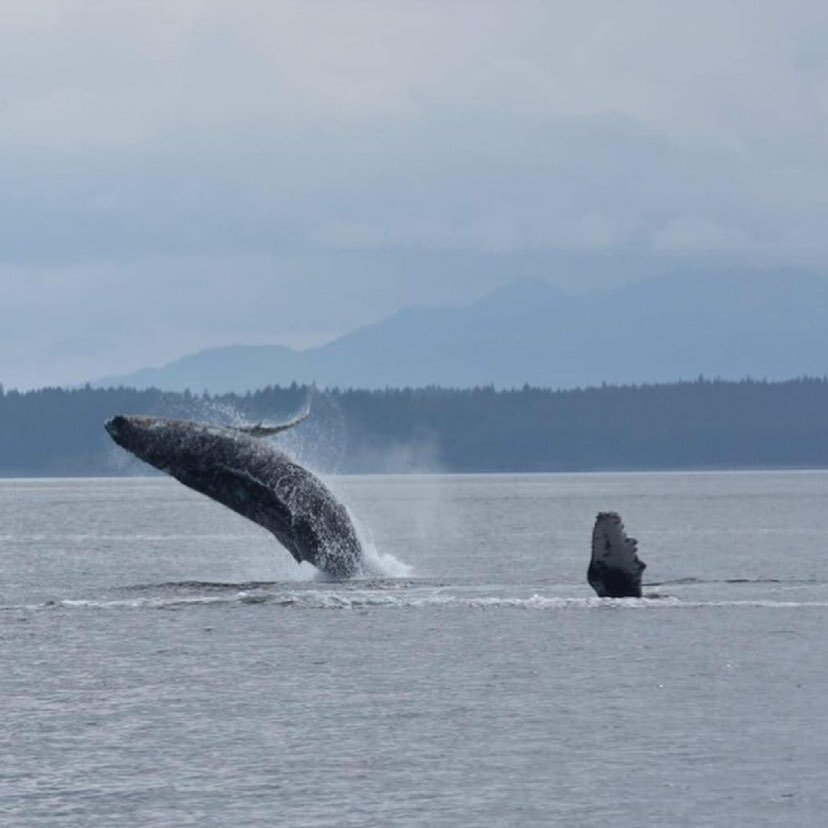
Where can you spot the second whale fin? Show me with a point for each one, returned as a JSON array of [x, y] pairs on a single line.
[[615, 569]]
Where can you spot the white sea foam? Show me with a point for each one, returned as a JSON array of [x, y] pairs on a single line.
[[375, 562], [378, 599]]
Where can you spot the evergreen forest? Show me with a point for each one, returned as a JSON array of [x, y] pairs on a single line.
[[704, 424]]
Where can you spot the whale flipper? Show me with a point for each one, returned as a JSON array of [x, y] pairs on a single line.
[[261, 430], [615, 569]]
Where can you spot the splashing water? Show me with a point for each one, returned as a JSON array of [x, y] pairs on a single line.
[[376, 562], [392, 596], [321, 442], [205, 410]]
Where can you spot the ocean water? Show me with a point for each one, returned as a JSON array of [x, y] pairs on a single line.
[[165, 663]]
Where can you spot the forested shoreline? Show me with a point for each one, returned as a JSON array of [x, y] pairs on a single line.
[[705, 424]]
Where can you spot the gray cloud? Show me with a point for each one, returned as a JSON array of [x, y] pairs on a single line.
[[174, 175]]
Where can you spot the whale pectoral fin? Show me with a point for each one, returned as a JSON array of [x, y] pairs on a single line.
[[260, 430], [252, 499], [615, 568], [306, 537]]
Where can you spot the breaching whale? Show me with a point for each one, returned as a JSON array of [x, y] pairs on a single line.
[[615, 568], [250, 477]]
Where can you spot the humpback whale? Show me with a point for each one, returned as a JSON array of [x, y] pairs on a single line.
[[615, 568], [250, 477]]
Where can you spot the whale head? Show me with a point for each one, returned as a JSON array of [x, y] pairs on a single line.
[[129, 431], [155, 440]]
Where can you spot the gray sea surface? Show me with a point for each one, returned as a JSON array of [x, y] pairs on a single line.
[[166, 663]]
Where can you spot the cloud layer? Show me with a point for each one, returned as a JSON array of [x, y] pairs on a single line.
[[180, 174]]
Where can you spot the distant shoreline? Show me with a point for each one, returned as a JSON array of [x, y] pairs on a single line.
[[702, 426], [412, 474]]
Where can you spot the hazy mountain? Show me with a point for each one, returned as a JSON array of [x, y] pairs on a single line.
[[729, 326]]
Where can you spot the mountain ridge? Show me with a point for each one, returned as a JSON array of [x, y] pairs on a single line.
[[772, 325]]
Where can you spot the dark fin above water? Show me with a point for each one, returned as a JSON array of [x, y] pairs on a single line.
[[261, 430], [615, 569]]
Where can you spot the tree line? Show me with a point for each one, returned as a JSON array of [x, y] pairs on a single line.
[[704, 424]]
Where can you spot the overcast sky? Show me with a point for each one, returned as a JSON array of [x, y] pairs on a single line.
[[190, 173]]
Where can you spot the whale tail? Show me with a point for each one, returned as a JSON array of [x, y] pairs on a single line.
[[615, 569], [262, 430]]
